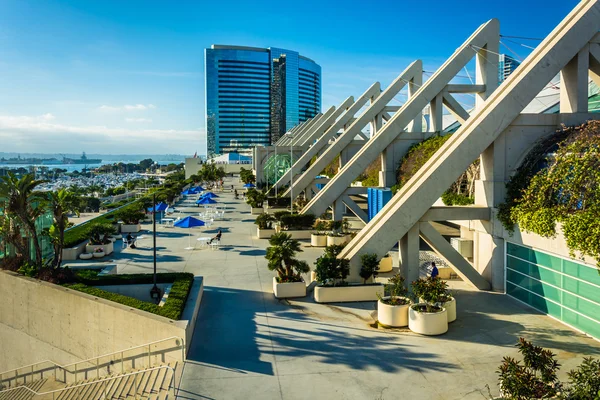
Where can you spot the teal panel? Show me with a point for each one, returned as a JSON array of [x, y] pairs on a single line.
[[583, 272], [518, 265], [586, 325], [546, 275], [546, 306], [517, 279], [547, 260], [545, 290], [518, 251], [582, 306], [518, 293], [581, 288]]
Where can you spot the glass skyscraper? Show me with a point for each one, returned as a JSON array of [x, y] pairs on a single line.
[[255, 95]]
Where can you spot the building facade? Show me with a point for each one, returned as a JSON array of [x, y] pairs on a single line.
[[255, 95], [506, 66]]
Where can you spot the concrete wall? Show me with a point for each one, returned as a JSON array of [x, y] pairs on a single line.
[[66, 323]]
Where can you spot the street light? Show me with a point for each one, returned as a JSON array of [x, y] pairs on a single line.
[[155, 292], [291, 171]]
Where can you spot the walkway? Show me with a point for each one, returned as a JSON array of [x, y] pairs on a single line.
[[248, 345]]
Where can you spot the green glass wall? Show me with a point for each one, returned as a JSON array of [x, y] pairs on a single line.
[[562, 288]]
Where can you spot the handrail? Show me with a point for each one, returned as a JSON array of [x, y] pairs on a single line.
[[55, 365], [171, 384]]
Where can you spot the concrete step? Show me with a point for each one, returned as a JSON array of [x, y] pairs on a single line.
[[22, 393]]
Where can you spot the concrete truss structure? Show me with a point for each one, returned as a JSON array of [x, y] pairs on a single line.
[[496, 131]]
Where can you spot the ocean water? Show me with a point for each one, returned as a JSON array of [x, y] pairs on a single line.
[[79, 167]]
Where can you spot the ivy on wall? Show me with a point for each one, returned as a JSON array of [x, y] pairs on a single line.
[[559, 182]]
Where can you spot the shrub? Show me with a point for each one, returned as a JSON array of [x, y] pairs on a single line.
[[281, 258], [297, 221], [432, 291], [397, 290], [279, 214], [264, 221], [172, 308], [331, 270], [11, 263], [536, 379], [320, 228], [456, 199], [278, 201], [369, 267], [255, 198], [584, 382], [130, 216]]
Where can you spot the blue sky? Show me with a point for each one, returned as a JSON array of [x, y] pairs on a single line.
[[127, 76]]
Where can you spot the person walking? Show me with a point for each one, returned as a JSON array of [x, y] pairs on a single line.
[[434, 270]]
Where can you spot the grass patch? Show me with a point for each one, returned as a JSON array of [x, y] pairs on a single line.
[[182, 283]]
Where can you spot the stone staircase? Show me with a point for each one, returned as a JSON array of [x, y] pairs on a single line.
[[147, 384]]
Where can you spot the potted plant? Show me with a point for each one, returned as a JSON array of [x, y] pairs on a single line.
[[335, 236], [265, 226], [392, 310], [319, 238], [281, 258], [99, 253], [428, 317], [255, 199], [346, 229], [100, 238], [331, 273], [297, 225], [131, 220]]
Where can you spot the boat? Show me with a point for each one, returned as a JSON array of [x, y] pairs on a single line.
[[82, 160]]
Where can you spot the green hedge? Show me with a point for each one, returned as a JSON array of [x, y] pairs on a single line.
[[182, 283], [297, 221]]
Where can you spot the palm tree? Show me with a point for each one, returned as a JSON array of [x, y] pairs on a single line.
[[280, 256], [61, 203], [25, 204]]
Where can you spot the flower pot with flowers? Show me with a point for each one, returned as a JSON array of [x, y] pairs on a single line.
[[392, 310]]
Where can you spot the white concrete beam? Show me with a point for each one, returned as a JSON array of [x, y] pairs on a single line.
[[457, 213], [455, 108], [465, 88], [458, 263], [574, 83], [356, 210]]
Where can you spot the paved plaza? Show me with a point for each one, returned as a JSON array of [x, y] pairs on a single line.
[[249, 345]]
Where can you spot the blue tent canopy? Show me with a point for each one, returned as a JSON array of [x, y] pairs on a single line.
[[210, 195], [160, 207], [206, 200], [197, 189], [188, 222], [188, 192], [249, 185]]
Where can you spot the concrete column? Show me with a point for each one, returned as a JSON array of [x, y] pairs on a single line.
[[387, 175], [489, 259], [409, 255], [574, 83], [486, 68], [436, 109], [339, 208]]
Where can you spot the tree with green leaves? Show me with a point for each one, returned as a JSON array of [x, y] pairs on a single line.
[[25, 204], [61, 204], [281, 258]]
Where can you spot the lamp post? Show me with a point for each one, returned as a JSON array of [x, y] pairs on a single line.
[[291, 172], [155, 292]]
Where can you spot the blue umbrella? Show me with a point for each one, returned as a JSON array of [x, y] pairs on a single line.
[[188, 192], [197, 189], [206, 200], [210, 195], [188, 222], [160, 207], [249, 185]]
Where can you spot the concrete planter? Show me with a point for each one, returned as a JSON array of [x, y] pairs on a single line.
[[386, 265], [425, 323], [86, 256], [288, 290], [450, 307], [73, 253], [98, 254], [131, 228], [264, 233], [336, 240], [339, 294], [256, 210], [318, 240], [298, 234], [392, 316], [107, 248]]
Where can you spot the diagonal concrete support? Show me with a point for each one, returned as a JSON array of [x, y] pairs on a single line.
[[326, 123], [308, 134], [455, 108], [356, 210], [431, 90], [376, 107], [285, 140], [458, 263], [323, 141], [476, 135]]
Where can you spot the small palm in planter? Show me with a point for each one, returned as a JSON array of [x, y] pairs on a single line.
[[331, 270], [428, 317], [392, 310], [280, 255], [265, 226]]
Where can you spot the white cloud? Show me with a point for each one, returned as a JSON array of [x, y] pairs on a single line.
[[138, 120], [127, 107], [43, 134]]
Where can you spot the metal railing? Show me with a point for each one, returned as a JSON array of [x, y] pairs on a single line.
[[103, 381], [135, 357]]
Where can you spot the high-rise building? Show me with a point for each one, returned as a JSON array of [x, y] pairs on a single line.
[[255, 95], [506, 66]]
